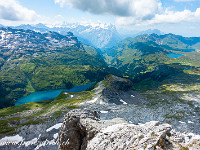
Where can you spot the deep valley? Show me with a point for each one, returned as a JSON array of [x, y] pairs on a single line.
[[137, 79]]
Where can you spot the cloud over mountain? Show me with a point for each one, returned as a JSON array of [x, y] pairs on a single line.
[[145, 9], [177, 16], [13, 11]]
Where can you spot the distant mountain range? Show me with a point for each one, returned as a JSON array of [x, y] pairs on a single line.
[[126, 34], [99, 36], [151, 31], [102, 36]]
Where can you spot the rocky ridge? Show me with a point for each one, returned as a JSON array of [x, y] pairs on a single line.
[[95, 134], [28, 42], [96, 120], [112, 102], [19, 44], [116, 90]]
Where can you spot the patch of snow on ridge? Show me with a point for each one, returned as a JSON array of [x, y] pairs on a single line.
[[94, 100], [123, 102], [191, 122], [55, 136], [57, 126], [182, 122], [14, 139], [104, 112]]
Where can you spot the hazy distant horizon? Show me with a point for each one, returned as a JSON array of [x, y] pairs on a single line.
[[180, 17]]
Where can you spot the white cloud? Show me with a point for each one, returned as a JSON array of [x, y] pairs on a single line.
[[11, 10], [177, 16], [134, 12], [166, 16], [142, 9], [184, 0]]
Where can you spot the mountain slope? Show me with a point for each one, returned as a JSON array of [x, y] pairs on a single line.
[[146, 52], [175, 42], [31, 61]]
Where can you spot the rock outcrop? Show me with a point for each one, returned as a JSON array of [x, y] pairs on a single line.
[[120, 91], [83, 130], [79, 127]]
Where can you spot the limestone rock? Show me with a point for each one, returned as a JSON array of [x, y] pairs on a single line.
[[129, 136], [80, 126], [83, 130]]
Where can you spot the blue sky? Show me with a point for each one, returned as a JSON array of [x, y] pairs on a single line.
[[174, 16]]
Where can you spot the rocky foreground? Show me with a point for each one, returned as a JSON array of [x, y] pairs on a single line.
[[82, 129], [98, 123]]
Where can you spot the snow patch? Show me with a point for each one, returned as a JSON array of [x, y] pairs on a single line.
[[104, 112], [93, 101], [57, 126], [182, 122], [102, 102], [190, 122], [55, 136], [123, 102]]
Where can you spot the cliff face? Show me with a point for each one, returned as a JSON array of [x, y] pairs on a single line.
[[83, 130]]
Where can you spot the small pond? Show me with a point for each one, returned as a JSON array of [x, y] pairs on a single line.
[[174, 55]]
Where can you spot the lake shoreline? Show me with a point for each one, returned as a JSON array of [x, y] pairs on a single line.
[[50, 94]]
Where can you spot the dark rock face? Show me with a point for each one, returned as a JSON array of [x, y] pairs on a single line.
[[118, 83], [119, 91], [75, 133]]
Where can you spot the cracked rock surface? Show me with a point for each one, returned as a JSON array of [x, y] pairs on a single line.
[[83, 130]]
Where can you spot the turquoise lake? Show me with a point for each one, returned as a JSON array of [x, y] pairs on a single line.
[[174, 55], [51, 94]]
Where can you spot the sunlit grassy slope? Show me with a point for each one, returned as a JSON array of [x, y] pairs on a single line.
[[12, 118]]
